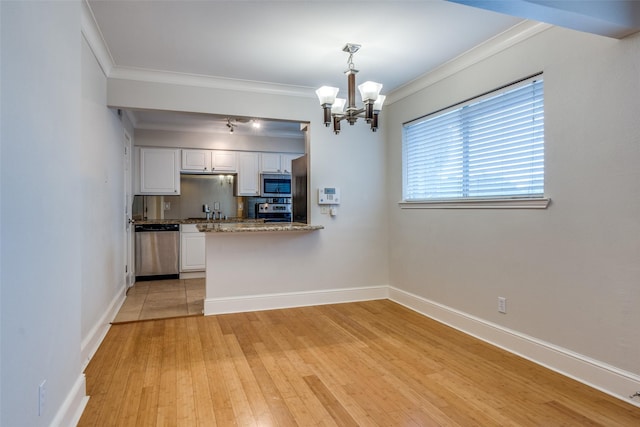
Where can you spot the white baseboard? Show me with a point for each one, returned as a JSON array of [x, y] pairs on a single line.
[[92, 341], [292, 299], [596, 374], [192, 275], [71, 410]]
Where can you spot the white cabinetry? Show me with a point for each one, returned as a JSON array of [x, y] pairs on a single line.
[[192, 248], [208, 161], [224, 161], [196, 160], [270, 162], [276, 162], [248, 179], [285, 161], [159, 171]]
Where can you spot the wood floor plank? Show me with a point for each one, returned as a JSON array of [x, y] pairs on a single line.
[[167, 410], [215, 353], [371, 363], [197, 367], [328, 400]]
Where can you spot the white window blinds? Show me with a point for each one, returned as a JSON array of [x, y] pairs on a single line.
[[489, 147]]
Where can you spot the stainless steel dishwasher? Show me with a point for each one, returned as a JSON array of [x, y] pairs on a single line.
[[157, 250]]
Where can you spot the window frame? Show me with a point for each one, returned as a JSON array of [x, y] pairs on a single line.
[[493, 202]]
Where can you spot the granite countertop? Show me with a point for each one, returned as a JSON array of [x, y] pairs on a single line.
[[256, 227], [200, 221]]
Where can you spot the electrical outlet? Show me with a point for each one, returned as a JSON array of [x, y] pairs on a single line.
[[502, 305], [42, 396]]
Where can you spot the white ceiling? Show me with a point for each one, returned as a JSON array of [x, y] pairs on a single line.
[[293, 43]]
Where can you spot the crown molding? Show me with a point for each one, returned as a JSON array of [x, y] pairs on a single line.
[[184, 79], [95, 39], [514, 35]]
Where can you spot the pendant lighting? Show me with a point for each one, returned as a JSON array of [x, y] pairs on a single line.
[[337, 109]]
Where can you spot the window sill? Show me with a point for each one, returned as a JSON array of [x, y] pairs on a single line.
[[524, 203]]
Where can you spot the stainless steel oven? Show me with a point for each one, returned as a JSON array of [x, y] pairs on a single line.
[[275, 185], [274, 212]]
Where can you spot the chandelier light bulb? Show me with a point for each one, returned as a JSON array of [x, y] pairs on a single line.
[[338, 106], [369, 91], [327, 95], [377, 106]]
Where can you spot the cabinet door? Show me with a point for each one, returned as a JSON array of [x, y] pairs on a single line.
[[270, 163], [192, 252], [196, 160], [285, 161], [223, 161], [248, 180], [159, 171]]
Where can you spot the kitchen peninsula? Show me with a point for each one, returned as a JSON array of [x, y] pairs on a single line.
[[256, 227], [257, 266]]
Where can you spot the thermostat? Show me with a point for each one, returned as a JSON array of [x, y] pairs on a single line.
[[328, 196]]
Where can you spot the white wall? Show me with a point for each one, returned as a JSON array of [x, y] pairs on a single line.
[[41, 207], [62, 202], [102, 215], [351, 250], [570, 272]]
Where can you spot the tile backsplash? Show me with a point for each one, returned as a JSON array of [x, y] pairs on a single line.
[[195, 191]]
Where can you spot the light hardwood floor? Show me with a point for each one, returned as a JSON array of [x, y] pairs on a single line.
[[371, 363]]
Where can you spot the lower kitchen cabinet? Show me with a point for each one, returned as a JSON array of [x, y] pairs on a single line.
[[192, 252]]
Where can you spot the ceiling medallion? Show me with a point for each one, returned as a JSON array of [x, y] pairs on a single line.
[[334, 108]]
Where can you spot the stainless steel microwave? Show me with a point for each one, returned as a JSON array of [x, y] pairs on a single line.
[[275, 185]]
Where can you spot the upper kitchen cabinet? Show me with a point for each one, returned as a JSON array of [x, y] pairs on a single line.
[[196, 160], [159, 171], [248, 179], [285, 161], [209, 161], [276, 162], [224, 161]]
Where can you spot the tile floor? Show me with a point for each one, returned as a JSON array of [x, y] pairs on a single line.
[[161, 299]]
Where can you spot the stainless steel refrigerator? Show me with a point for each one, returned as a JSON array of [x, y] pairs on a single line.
[[299, 189]]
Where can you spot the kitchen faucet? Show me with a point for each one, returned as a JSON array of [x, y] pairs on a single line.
[[207, 210]]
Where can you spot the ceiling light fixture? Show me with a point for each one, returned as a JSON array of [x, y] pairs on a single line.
[[230, 125], [334, 108]]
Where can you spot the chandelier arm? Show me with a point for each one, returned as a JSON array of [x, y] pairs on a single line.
[[356, 112]]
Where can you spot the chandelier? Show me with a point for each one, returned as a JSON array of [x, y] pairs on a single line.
[[334, 108]]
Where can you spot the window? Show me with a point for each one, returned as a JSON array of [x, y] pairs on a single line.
[[490, 147]]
